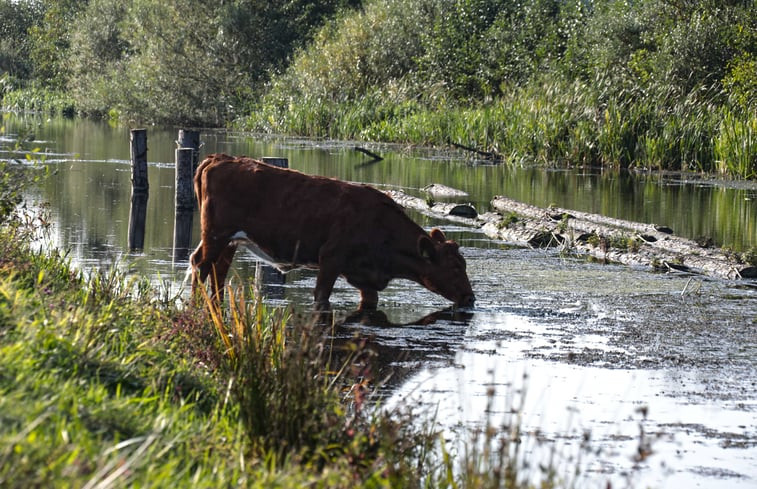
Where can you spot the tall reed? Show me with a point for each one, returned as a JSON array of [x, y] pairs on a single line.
[[736, 144]]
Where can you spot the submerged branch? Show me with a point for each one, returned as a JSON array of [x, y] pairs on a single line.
[[487, 155], [375, 157]]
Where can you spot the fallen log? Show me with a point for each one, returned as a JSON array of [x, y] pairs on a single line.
[[437, 190], [617, 240], [604, 238], [519, 235]]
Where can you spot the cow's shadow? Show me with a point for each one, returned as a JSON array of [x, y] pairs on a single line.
[[390, 352]]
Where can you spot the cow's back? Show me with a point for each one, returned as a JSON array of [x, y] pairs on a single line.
[[291, 215]]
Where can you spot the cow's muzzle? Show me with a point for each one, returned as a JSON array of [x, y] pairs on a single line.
[[466, 301]]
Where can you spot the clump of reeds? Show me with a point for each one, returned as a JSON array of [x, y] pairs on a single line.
[[299, 397], [736, 145]]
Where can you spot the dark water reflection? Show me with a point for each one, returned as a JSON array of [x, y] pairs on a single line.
[[590, 343]]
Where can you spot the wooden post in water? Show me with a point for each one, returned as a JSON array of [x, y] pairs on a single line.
[[139, 189], [189, 138], [184, 203]]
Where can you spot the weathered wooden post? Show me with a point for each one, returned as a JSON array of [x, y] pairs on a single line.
[[184, 203], [139, 189], [276, 161], [189, 138]]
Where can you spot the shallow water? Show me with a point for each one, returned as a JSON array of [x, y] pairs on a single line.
[[580, 350], [579, 362]]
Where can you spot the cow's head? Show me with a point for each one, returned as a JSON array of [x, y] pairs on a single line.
[[444, 268]]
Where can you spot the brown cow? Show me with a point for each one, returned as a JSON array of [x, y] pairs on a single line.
[[293, 220]]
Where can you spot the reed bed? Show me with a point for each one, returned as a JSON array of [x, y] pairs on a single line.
[[555, 123]]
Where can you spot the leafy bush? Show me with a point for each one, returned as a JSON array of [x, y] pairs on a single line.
[[183, 60], [15, 20]]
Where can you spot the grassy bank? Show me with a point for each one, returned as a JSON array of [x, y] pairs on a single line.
[[613, 84], [103, 383], [554, 123], [107, 382]]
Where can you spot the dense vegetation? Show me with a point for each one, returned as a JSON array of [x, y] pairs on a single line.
[[660, 84]]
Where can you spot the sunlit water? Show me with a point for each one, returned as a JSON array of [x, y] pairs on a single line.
[[596, 360]]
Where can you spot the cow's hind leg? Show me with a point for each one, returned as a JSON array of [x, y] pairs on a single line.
[[211, 260]]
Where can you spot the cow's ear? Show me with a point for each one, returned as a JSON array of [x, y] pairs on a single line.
[[438, 235], [427, 249]]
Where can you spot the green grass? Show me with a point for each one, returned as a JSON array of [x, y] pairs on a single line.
[[107, 382], [736, 145], [89, 392], [554, 123]]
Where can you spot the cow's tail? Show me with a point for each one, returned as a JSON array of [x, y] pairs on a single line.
[[198, 179], [191, 269]]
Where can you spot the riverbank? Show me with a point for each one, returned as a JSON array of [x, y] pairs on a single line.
[[570, 128], [656, 85], [106, 381]]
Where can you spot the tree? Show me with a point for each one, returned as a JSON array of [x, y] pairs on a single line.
[[50, 41], [15, 20]]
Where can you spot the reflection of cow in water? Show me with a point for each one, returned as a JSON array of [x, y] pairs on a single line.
[[392, 352], [292, 220]]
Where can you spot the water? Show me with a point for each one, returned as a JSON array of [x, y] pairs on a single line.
[[581, 351]]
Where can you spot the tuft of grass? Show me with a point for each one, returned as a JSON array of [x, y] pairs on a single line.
[[508, 220]]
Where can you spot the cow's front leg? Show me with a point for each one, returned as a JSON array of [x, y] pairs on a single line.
[[330, 266], [324, 285], [368, 300]]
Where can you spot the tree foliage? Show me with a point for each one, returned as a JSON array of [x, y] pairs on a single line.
[[157, 60], [665, 70], [15, 20]]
